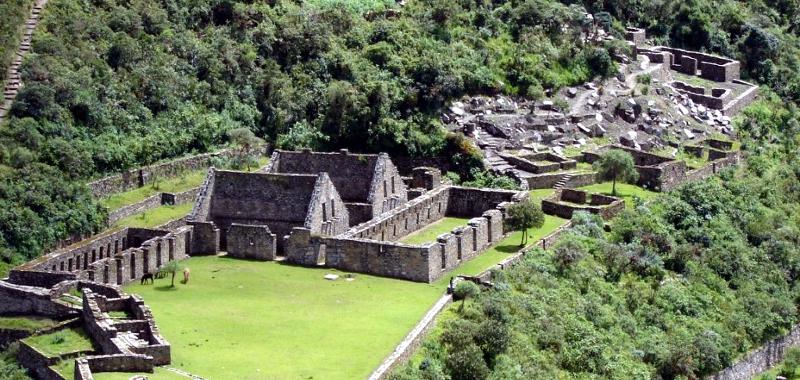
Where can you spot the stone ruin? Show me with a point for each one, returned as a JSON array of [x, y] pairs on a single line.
[[349, 215], [337, 210], [565, 202], [662, 100]]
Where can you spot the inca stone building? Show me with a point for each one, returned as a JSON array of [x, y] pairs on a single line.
[[345, 211]]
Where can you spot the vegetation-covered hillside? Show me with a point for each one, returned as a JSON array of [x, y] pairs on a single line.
[[11, 24], [680, 287], [116, 84]]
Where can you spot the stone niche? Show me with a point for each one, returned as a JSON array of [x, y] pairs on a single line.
[[254, 242]]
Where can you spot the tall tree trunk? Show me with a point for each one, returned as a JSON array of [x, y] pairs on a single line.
[[173, 279], [614, 187]]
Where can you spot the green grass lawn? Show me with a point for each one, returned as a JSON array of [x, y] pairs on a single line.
[[624, 191], [28, 323], [155, 217], [253, 320], [183, 182], [241, 319], [61, 342], [505, 248], [539, 194], [158, 374], [433, 230]]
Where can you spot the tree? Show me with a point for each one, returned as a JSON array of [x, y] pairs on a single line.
[[616, 165], [246, 140], [464, 290], [523, 216], [172, 267]]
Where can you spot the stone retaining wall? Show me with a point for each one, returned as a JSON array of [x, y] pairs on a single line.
[[761, 359], [136, 178]]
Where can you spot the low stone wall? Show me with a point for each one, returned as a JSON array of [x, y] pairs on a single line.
[[761, 359], [412, 341], [136, 178], [148, 203], [152, 202], [253, 242], [84, 367], [568, 201], [28, 300], [406, 349], [423, 263], [714, 167], [698, 95], [734, 106], [39, 364]]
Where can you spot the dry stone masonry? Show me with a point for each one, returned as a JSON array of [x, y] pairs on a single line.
[[302, 208]]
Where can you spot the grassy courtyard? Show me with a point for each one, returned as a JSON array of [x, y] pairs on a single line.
[[252, 320], [27, 323], [61, 342], [155, 217], [183, 182], [624, 190], [433, 230]]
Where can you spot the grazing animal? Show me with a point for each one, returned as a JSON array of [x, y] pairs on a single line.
[[147, 276], [186, 275]]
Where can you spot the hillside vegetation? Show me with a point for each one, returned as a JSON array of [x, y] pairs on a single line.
[[14, 14], [113, 85], [681, 287]]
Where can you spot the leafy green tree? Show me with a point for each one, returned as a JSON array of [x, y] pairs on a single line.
[[464, 290], [466, 363], [171, 268], [246, 141], [523, 216], [616, 165]]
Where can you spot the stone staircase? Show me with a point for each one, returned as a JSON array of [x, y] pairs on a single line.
[[13, 80], [563, 181]]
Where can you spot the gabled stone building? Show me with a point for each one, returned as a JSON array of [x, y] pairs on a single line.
[[369, 184], [248, 214]]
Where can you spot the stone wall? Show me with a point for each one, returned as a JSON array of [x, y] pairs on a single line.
[[748, 96], [364, 179], [403, 352], [566, 202], [635, 35], [387, 190], [425, 263], [712, 67], [426, 178], [114, 258], [28, 300], [251, 242], [656, 173], [152, 202], [471, 202], [698, 95], [114, 337], [279, 201], [415, 215], [761, 359], [136, 178]]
